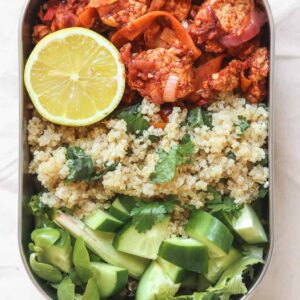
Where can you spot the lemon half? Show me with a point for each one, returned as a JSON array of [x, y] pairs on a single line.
[[75, 77]]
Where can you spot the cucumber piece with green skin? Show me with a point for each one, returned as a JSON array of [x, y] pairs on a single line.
[[59, 256], [128, 202], [122, 206], [101, 244], [155, 284], [146, 244], [186, 253], [110, 279], [195, 282], [216, 266], [207, 229], [44, 271], [103, 221], [176, 273], [248, 226]]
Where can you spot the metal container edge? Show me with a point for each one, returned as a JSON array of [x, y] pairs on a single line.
[[21, 155]]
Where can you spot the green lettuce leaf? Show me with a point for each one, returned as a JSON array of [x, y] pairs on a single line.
[[66, 290], [231, 282]]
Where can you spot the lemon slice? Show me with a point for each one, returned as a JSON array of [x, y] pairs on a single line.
[[75, 77]]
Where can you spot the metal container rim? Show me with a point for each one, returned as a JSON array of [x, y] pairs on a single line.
[[270, 151]]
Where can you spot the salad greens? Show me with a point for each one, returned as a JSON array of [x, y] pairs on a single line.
[[231, 282], [81, 260], [91, 291], [66, 290], [78, 273], [178, 155], [45, 271], [136, 123], [145, 215]]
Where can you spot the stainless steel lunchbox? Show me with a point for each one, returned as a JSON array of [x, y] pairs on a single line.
[[27, 182]]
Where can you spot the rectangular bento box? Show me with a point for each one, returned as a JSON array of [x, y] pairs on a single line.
[[27, 183]]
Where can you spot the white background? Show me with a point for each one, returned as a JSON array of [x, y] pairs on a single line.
[[283, 278]]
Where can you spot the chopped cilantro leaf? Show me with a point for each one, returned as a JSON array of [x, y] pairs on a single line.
[[207, 118], [225, 204], [194, 118], [154, 138], [263, 192], [136, 123], [217, 197], [81, 166], [263, 105], [231, 155], [264, 162], [165, 169], [41, 212], [146, 215], [186, 147], [243, 125]]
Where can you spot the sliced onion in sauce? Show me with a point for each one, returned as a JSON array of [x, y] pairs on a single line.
[[256, 21], [171, 88]]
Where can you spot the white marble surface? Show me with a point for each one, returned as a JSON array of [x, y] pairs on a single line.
[[282, 279]]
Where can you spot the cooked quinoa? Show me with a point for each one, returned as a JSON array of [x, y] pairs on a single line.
[[108, 142]]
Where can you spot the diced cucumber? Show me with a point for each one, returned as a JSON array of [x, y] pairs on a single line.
[[176, 273], [216, 266], [59, 255], [103, 221], [186, 253], [195, 282], [128, 202], [146, 245], [121, 208], [45, 271], [101, 244], [207, 229], [110, 279], [249, 227], [155, 284]]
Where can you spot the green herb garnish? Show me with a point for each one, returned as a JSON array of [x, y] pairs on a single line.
[[219, 203], [264, 162], [263, 192], [41, 212], [81, 166], [231, 155], [146, 215], [136, 123], [207, 118], [243, 125], [199, 117], [194, 117], [165, 169]]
